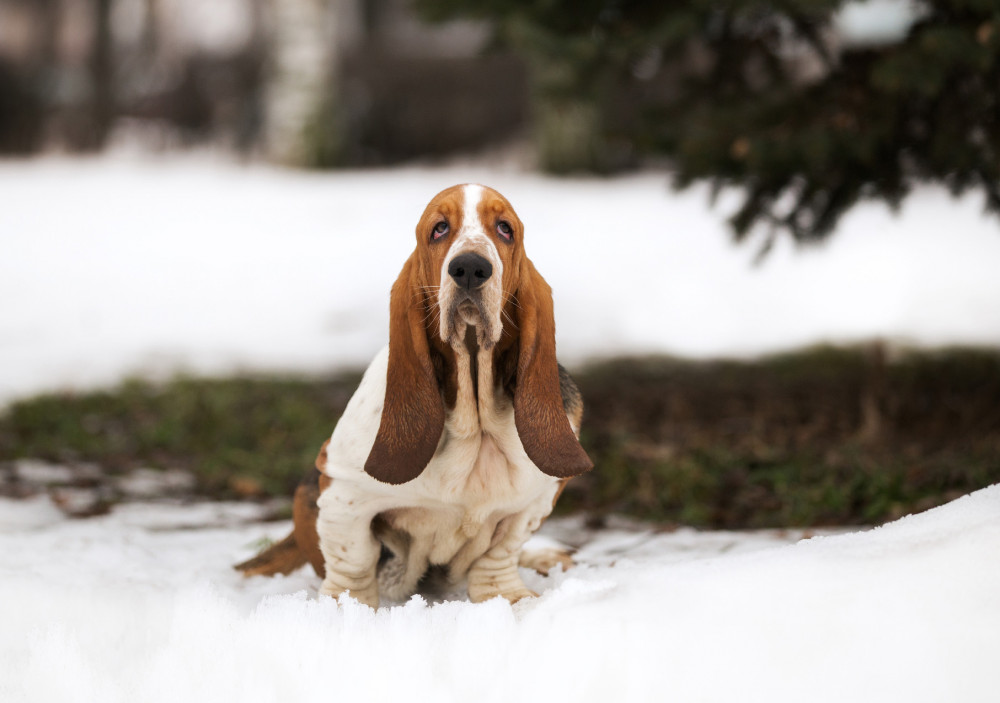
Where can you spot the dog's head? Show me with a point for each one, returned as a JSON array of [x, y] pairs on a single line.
[[469, 272]]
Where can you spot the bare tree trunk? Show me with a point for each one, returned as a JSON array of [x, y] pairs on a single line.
[[102, 107], [151, 31], [301, 127], [48, 13], [35, 111]]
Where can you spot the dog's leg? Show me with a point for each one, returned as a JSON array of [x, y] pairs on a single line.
[[350, 550], [495, 573]]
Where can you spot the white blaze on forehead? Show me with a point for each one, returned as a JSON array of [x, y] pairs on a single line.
[[472, 236], [472, 195]]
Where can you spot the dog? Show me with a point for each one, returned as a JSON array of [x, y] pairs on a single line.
[[462, 432]]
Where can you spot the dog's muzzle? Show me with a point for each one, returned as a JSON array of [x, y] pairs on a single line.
[[470, 297]]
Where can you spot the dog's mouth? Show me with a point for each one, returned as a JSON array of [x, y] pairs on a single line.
[[467, 310]]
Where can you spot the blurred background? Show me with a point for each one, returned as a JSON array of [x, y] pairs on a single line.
[[186, 189]]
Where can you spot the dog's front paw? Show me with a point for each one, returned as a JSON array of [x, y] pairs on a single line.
[[479, 593], [520, 594], [366, 595]]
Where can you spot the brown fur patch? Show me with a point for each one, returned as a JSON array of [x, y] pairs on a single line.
[[281, 558], [305, 512], [321, 460]]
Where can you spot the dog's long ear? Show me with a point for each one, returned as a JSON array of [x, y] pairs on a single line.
[[413, 413], [539, 415]]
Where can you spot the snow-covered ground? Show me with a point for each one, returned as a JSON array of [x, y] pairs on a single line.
[[112, 267], [115, 266], [141, 605]]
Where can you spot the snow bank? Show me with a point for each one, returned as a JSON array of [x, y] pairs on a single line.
[[112, 267], [138, 606]]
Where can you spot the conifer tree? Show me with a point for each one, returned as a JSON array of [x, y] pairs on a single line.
[[764, 99]]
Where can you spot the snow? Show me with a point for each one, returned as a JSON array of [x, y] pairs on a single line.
[[141, 605], [875, 22], [130, 266], [113, 267]]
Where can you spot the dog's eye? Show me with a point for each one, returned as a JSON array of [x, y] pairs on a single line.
[[504, 229], [440, 229]]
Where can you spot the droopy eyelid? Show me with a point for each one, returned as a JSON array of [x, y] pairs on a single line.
[[437, 231]]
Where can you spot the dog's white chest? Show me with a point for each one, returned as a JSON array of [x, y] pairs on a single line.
[[479, 485], [471, 492]]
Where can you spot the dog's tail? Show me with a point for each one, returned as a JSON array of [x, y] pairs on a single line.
[[302, 545], [284, 557]]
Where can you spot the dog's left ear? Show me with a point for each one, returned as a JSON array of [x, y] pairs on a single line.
[[413, 413], [539, 414]]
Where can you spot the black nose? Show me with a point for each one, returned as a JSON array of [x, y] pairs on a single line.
[[470, 271]]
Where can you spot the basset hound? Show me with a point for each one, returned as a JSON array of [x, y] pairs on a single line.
[[463, 431]]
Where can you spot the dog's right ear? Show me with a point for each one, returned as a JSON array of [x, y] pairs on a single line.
[[413, 411]]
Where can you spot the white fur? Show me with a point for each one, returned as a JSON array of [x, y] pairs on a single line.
[[472, 508], [472, 194]]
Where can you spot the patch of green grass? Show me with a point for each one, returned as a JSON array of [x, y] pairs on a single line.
[[820, 437], [239, 436], [823, 436]]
